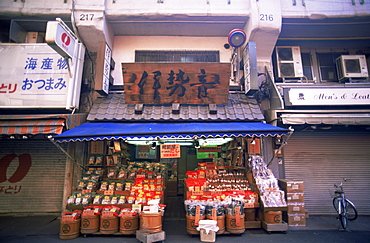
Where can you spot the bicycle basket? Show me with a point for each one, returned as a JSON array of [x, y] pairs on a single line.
[[334, 192]]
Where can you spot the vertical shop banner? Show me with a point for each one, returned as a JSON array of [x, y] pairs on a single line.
[[170, 151], [183, 83], [32, 76]]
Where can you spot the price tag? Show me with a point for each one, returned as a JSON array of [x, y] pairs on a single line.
[[197, 215], [214, 214], [248, 205], [197, 193], [68, 217], [86, 191], [109, 192], [88, 212], [107, 213], [237, 216]]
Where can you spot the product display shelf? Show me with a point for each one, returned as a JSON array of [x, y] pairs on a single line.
[[250, 211]]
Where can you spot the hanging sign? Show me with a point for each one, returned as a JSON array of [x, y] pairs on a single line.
[[59, 37], [103, 69], [170, 150]]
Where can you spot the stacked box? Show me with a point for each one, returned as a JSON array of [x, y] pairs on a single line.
[[294, 193]]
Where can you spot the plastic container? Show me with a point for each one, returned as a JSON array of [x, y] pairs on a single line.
[[220, 223]]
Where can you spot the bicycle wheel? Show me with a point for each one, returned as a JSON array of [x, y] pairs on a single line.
[[343, 220], [336, 203], [343, 215], [351, 210]]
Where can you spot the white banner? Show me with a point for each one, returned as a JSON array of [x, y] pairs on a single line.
[[32, 76], [327, 96]]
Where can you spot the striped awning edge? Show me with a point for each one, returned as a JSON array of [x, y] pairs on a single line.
[[32, 126]]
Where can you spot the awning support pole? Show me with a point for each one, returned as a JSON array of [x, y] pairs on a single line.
[[281, 146], [65, 152]]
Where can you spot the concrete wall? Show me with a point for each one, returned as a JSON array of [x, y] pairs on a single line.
[[125, 46]]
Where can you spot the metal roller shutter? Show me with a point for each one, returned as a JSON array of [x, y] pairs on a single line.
[[322, 159], [39, 189]]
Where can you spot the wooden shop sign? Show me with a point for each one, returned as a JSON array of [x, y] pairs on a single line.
[[183, 83]]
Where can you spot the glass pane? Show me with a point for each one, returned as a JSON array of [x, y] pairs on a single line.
[[307, 72], [328, 73], [325, 59]]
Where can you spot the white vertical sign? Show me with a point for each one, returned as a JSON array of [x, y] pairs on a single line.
[[106, 71]]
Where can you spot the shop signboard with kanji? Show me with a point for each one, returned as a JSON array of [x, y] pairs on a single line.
[[33, 76], [183, 83]]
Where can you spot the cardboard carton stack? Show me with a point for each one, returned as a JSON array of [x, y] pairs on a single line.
[[294, 191]]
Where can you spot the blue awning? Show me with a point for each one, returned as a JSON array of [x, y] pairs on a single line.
[[110, 130]]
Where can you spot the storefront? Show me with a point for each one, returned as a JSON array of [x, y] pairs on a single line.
[[322, 158], [193, 125], [33, 170], [330, 142], [130, 146]]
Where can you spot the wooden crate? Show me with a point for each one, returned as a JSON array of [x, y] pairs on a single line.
[[282, 227]]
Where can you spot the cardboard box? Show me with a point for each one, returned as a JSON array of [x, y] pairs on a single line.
[[296, 208], [291, 186], [295, 197], [295, 219], [210, 237]]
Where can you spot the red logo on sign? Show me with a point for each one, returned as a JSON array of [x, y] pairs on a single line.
[[22, 170], [66, 40]]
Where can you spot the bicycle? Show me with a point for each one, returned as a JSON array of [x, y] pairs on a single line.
[[343, 206]]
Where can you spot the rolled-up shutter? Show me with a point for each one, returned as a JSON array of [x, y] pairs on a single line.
[[31, 176], [321, 159]]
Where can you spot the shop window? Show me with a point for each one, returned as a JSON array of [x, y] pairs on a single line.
[[177, 56]]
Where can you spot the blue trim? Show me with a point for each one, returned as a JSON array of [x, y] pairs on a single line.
[[110, 130]]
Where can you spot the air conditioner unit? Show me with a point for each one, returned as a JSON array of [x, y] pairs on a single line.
[[289, 62], [351, 66]]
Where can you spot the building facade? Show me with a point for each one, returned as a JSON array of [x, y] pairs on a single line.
[[293, 63]]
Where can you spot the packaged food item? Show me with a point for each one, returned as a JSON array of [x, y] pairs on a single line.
[[92, 160], [99, 160], [98, 199], [91, 185], [111, 173], [121, 199], [114, 199], [106, 200], [81, 184], [86, 199], [104, 185], [78, 200], [119, 186]]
